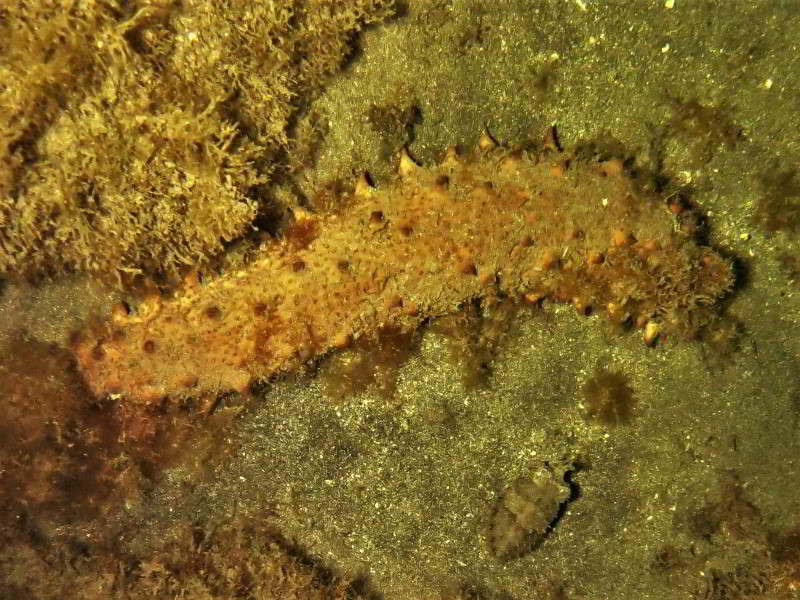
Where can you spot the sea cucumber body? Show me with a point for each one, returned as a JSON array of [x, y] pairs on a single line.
[[418, 247]]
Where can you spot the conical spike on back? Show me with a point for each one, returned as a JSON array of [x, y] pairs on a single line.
[[550, 141], [364, 187], [486, 141], [406, 166], [451, 157]]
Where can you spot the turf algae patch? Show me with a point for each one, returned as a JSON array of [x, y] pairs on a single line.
[[498, 222], [138, 137]]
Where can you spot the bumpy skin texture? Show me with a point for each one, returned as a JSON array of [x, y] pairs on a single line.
[[498, 222]]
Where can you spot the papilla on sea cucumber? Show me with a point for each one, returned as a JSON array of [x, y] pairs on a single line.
[[495, 222]]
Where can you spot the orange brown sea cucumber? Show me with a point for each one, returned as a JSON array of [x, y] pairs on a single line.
[[498, 222]]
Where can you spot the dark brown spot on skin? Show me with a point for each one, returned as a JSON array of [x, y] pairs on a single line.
[[259, 309], [298, 265], [343, 265], [443, 181], [468, 268], [376, 216], [149, 346], [75, 338], [301, 233], [213, 312]]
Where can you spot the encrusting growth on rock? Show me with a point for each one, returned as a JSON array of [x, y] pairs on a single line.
[[498, 222]]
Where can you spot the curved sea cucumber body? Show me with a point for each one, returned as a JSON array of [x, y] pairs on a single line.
[[526, 511], [499, 222]]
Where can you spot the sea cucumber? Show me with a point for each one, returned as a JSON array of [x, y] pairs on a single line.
[[496, 222]]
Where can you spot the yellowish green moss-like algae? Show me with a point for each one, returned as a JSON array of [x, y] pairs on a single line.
[[136, 138], [497, 223]]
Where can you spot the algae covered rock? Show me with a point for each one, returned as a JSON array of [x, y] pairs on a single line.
[[137, 138]]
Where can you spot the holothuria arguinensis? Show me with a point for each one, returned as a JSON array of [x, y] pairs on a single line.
[[498, 222]]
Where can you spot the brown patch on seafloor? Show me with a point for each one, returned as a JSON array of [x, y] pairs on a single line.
[[609, 398]]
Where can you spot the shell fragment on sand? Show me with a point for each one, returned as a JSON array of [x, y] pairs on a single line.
[[526, 512]]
